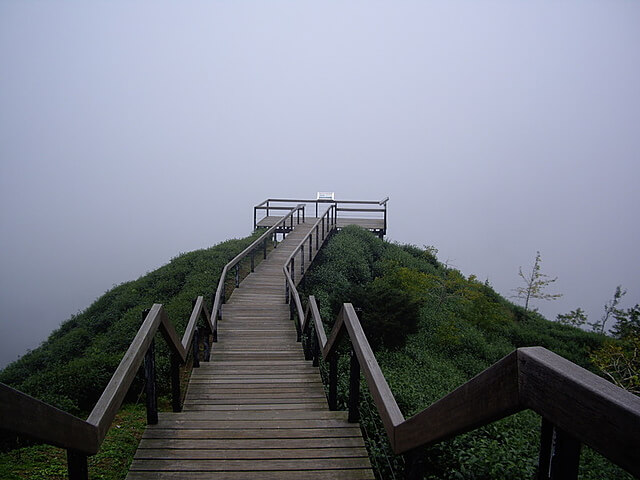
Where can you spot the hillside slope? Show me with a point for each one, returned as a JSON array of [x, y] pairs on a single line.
[[433, 329], [71, 368]]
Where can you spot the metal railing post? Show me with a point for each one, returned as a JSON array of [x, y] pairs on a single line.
[[293, 270], [414, 464], [333, 381], [354, 388], [175, 383], [77, 465], [150, 384], [559, 454], [315, 347], [195, 345]]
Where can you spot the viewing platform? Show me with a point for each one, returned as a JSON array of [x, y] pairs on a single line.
[[370, 215]]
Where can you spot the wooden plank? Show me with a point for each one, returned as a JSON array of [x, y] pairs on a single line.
[[263, 415], [352, 474], [198, 453], [258, 409], [235, 424], [263, 444], [194, 465], [254, 433], [266, 406]]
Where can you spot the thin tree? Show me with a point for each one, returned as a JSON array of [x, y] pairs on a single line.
[[610, 309], [534, 285]]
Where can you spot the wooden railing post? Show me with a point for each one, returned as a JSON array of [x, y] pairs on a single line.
[[176, 402], [264, 249], [253, 262], [559, 454], [315, 347], [310, 247], [195, 345], [316, 238], [237, 274], [150, 384], [301, 260], [77, 465], [333, 381], [354, 388]]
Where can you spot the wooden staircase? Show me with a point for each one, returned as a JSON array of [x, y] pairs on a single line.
[[257, 410]]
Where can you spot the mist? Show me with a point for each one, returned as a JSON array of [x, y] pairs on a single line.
[[133, 131]]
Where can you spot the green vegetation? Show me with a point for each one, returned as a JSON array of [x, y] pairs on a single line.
[[431, 327], [461, 327], [71, 368], [44, 462]]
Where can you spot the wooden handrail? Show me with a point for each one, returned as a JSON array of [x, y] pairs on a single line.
[[217, 297], [28, 416], [328, 220], [591, 409], [25, 415]]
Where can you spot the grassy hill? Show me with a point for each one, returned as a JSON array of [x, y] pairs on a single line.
[[432, 329], [71, 368]]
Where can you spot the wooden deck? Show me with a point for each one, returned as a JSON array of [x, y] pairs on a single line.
[[374, 224], [257, 409]]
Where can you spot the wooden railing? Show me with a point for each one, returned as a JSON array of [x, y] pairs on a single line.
[[576, 405], [219, 296], [319, 232], [348, 206], [25, 415]]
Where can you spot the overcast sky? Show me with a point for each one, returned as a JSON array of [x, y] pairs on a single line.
[[132, 131]]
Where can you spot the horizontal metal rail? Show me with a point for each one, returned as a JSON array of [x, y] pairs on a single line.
[[268, 205]]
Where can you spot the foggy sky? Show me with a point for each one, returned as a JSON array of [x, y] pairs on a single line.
[[133, 131]]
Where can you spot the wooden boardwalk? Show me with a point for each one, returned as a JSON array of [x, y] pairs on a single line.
[[257, 410]]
